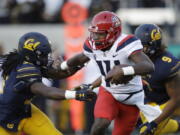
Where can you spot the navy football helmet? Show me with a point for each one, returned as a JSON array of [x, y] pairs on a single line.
[[35, 48], [151, 38]]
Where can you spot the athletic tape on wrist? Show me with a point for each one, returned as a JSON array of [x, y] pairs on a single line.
[[128, 70], [70, 94]]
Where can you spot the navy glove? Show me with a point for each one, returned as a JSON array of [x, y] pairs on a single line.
[[85, 95], [148, 128]]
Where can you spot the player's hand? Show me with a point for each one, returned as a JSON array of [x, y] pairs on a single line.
[[148, 128], [85, 95], [69, 70], [116, 76], [57, 60], [83, 87]]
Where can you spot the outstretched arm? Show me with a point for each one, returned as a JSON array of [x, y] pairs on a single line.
[[39, 88], [76, 61], [59, 73], [67, 68]]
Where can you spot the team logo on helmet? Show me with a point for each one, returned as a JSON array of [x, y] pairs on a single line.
[[116, 21], [30, 44], [155, 34]]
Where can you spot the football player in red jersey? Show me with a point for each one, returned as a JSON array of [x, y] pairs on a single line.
[[117, 57], [162, 87]]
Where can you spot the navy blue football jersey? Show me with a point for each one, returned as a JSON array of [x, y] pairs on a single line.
[[166, 67], [14, 104]]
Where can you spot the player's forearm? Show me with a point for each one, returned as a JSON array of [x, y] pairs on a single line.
[[172, 88], [61, 74], [48, 92], [79, 59], [167, 111], [96, 83], [141, 68], [57, 94]]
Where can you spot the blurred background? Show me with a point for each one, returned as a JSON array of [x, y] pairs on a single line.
[[65, 23]]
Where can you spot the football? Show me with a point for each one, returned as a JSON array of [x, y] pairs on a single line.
[[126, 79]]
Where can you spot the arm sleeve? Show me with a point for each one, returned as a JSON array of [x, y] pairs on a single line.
[[173, 69], [167, 69], [29, 73]]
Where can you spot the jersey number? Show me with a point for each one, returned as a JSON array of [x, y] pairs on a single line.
[[166, 59], [105, 67]]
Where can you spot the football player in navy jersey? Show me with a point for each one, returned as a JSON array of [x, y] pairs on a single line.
[[23, 70], [121, 61], [162, 87]]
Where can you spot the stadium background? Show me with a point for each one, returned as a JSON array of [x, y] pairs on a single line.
[[65, 23]]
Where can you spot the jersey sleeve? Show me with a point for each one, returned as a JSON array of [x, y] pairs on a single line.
[[167, 67], [174, 67], [131, 45], [87, 49], [28, 72]]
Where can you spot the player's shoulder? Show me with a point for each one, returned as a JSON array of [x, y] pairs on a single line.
[[168, 60], [167, 65], [27, 69], [125, 40], [26, 66], [88, 46]]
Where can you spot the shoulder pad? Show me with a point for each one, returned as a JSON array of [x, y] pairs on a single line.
[[87, 46], [124, 42], [27, 70]]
